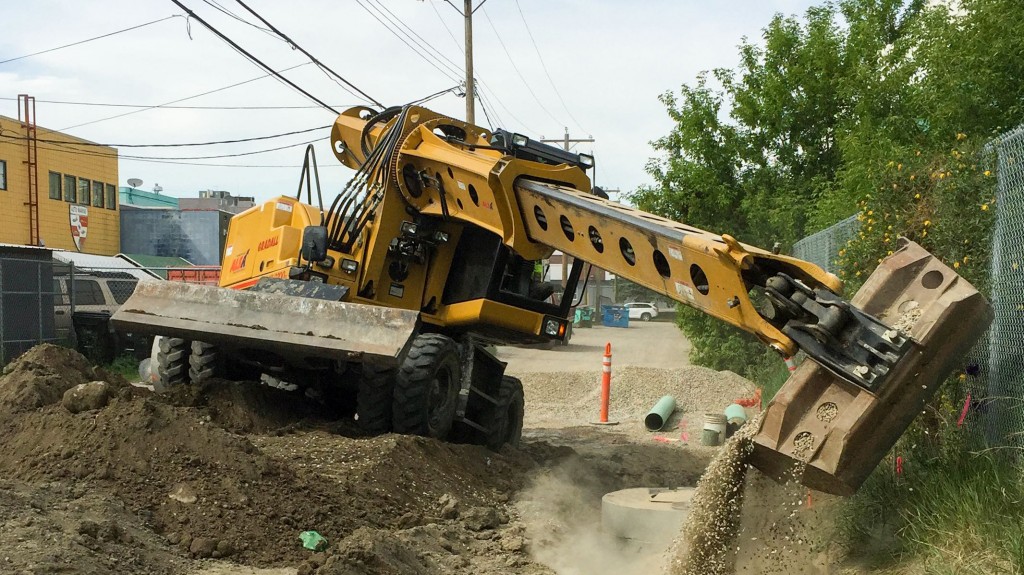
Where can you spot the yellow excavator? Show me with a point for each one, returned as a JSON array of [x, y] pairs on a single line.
[[427, 256]]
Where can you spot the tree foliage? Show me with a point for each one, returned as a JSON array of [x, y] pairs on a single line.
[[810, 125]]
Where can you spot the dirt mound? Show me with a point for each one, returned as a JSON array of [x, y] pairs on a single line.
[[40, 376], [215, 493], [249, 407], [54, 528]]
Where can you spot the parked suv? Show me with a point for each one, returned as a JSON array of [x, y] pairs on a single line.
[[642, 310], [97, 296]]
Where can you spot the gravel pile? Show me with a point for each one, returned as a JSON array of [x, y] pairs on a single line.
[[573, 398]]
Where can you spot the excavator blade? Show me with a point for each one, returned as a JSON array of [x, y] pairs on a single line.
[[829, 433], [299, 330]]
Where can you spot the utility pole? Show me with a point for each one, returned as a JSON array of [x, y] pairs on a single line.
[[470, 100], [467, 14], [566, 141]]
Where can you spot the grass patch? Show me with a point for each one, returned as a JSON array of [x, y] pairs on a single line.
[[961, 514], [126, 366]]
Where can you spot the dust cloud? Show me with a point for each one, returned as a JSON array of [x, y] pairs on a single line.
[[561, 510]]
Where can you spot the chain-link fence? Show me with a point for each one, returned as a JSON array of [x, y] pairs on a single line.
[[48, 301], [994, 370], [26, 305], [1005, 363], [823, 247]]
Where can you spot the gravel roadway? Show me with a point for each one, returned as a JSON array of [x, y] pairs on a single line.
[[654, 344]]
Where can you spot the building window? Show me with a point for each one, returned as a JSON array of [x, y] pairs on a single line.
[[83, 191], [69, 188], [97, 194], [111, 197], [3, 175], [55, 186]]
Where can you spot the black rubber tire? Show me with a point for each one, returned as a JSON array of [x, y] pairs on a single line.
[[506, 425], [645, 316], [204, 362], [172, 361], [427, 387], [373, 399]]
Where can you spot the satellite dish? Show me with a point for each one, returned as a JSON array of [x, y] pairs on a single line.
[[134, 182]]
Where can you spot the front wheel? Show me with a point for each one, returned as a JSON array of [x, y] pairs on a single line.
[[374, 398], [427, 387], [646, 316], [506, 425]]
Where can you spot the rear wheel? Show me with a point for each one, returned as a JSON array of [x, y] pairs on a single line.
[[645, 316], [203, 362], [427, 387], [506, 425], [172, 360], [374, 398]]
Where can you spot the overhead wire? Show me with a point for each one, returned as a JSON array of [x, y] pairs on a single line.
[[107, 35], [459, 70], [493, 98], [419, 53], [312, 58], [220, 8], [208, 92], [171, 107], [180, 145], [512, 61], [234, 45], [544, 66], [445, 24], [59, 146]]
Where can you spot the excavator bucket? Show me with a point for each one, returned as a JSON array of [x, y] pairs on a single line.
[[300, 330], [829, 433]]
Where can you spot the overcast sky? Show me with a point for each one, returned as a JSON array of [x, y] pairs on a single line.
[[608, 62]]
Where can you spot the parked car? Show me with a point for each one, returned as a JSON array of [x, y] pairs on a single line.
[[96, 297], [643, 311]]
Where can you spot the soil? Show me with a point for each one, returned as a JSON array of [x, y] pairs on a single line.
[[221, 479]]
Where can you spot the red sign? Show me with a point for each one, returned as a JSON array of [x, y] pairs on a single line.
[[267, 243], [238, 264], [79, 216]]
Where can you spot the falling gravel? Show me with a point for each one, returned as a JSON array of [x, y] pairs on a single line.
[[707, 543]]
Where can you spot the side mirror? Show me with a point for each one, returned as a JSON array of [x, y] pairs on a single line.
[[314, 243]]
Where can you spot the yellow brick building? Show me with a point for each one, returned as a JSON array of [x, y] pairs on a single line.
[[77, 191]]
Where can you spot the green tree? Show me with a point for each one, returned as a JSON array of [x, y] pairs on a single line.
[[808, 125]]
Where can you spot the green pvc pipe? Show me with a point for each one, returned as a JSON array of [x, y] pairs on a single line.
[[736, 414], [658, 416]]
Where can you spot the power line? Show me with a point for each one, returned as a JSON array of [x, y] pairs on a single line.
[[445, 24], [516, 68], [236, 141], [136, 27], [545, 67], [493, 97], [250, 57], [451, 65], [312, 58], [419, 53], [217, 6], [167, 107], [62, 146], [182, 99]]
